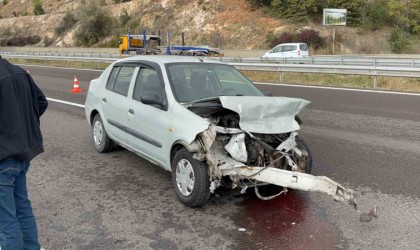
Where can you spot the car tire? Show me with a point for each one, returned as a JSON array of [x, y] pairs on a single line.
[[190, 179], [301, 144], [101, 141]]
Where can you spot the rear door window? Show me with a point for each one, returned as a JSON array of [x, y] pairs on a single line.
[[112, 77], [303, 47], [289, 48]]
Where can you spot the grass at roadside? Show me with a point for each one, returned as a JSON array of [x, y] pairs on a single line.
[[60, 63], [353, 81]]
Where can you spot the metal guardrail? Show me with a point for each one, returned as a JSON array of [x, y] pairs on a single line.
[[281, 68], [332, 60], [385, 61], [373, 71]]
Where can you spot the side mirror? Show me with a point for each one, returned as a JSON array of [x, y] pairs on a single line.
[[153, 100], [267, 93]]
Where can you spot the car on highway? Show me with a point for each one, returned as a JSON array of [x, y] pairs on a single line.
[[205, 122], [288, 50]]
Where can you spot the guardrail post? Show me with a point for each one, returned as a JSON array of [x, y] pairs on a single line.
[[374, 62], [375, 80], [412, 64], [281, 76]]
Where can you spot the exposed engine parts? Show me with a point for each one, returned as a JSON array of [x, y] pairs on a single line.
[[241, 158]]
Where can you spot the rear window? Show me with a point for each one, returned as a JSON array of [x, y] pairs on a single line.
[[303, 47], [119, 79]]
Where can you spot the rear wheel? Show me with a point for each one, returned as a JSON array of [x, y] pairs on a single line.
[[101, 141], [190, 179]]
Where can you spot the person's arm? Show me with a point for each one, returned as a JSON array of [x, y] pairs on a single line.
[[42, 100]]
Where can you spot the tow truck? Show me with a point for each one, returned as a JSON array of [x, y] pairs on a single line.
[[140, 44]]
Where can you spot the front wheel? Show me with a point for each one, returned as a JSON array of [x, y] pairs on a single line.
[[101, 141], [190, 179], [301, 144]]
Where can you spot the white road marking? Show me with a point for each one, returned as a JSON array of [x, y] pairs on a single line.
[[65, 102], [276, 84], [337, 88]]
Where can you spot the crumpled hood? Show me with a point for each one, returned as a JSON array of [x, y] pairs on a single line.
[[265, 114]]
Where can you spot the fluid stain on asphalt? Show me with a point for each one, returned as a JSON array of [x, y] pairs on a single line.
[[289, 221]]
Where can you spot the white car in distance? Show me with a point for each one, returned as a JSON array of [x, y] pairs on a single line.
[[288, 50]]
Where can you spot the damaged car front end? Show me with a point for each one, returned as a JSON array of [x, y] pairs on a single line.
[[253, 141]]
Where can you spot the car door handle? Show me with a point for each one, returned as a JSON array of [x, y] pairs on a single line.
[[131, 111], [104, 99]]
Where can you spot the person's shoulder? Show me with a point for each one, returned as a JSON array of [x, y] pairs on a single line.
[[7, 68]]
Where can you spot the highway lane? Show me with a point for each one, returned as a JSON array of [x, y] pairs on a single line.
[[368, 141], [380, 125]]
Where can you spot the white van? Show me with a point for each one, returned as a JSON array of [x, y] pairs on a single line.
[[288, 50]]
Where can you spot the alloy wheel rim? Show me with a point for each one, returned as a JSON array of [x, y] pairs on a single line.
[[97, 133], [185, 178]]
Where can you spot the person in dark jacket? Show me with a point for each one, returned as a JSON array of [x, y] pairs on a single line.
[[21, 105]]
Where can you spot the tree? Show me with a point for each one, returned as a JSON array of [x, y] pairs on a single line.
[[406, 14], [294, 9], [66, 23], [95, 24], [378, 14], [38, 10], [261, 2], [398, 40], [124, 17]]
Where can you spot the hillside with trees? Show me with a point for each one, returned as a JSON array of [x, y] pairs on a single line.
[[230, 24]]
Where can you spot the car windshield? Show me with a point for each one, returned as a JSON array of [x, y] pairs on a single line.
[[197, 81]]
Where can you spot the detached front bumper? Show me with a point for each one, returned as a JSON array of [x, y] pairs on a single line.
[[296, 180], [229, 160]]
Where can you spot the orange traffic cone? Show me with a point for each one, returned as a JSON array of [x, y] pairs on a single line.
[[76, 87]]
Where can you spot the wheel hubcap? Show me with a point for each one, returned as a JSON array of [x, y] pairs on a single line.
[[185, 178], [97, 133]]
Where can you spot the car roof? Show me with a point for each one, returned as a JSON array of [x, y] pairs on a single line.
[[164, 59], [290, 44]]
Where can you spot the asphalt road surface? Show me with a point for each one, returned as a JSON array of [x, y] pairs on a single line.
[[364, 140]]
